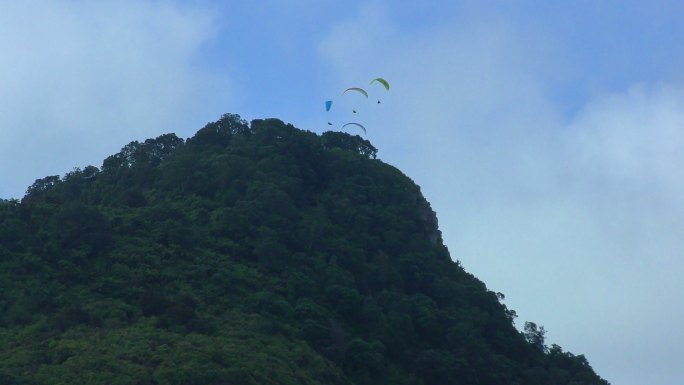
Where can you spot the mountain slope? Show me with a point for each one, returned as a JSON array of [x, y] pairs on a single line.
[[249, 254]]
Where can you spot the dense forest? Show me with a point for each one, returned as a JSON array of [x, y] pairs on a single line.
[[251, 253]]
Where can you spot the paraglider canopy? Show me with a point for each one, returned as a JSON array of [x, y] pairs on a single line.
[[328, 104], [382, 81], [356, 124], [356, 89]]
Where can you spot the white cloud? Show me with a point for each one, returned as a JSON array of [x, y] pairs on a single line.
[[80, 80], [358, 45], [635, 137], [628, 148]]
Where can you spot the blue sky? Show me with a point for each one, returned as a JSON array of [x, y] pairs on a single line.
[[548, 136]]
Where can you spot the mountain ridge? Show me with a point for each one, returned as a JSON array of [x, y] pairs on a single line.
[[250, 253]]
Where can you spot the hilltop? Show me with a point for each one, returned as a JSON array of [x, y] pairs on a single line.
[[250, 253]]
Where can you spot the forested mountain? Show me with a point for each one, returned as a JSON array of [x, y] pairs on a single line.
[[250, 254]]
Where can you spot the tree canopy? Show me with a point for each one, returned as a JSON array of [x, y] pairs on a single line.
[[251, 253]]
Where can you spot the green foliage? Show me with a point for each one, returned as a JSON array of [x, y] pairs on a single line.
[[249, 254], [535, 336]]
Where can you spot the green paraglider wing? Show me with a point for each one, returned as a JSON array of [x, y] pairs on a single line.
[[382, 81], [328, 104], [357, 89], [356, 124]]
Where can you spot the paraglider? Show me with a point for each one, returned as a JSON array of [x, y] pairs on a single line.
[[382, 81], [355, 103], [358, 125], [356, 89]]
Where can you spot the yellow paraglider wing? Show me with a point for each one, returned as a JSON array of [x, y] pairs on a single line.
[[356, 89], [382, 81]]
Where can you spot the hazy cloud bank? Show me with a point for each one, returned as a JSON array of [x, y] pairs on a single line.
[[81, 80]]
